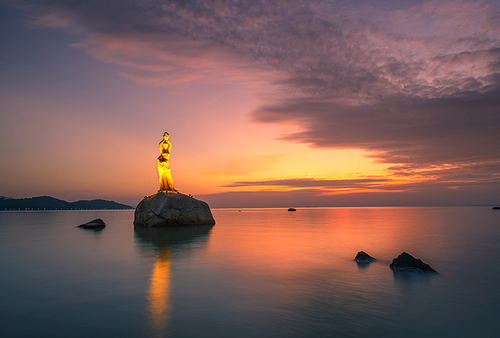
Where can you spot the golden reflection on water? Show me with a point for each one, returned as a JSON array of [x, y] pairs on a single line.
[[164, 241], [270, 242], [159, 292]]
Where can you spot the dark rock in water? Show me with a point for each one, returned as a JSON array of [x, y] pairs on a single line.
[[407, 263], [363, 257], [496, 208], [170, 209], [95, 224], [292, 209]]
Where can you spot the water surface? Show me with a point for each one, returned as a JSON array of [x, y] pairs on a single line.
[[257, 272]]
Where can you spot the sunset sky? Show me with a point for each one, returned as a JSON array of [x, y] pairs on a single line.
[[268, 103]]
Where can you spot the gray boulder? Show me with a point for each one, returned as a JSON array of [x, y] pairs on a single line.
[[407, 263], [95, 224], [170, 209]]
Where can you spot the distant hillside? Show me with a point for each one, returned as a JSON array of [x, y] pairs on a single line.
[[51, 203]]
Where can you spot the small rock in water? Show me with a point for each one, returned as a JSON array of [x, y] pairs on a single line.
[[292, 209], [407, 263], [95, 224], [363, 257], [496, 208]]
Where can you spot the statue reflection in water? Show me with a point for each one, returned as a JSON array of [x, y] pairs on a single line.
[[161, 241], [159, 292]]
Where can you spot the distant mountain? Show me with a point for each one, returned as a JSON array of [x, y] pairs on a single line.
[[51, 203]]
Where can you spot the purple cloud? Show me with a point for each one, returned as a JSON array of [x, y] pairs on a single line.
[[415, 83]]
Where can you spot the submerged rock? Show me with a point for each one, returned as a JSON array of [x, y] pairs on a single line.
[[95, 224], [292, 209], [363, 257], [407, 263], [170, 209]]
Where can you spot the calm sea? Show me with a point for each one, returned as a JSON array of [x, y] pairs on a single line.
[[256, 273]]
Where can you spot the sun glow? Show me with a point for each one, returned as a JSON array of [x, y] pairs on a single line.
[[280, 161]]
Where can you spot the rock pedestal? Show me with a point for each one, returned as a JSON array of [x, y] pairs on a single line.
[[170, 209]]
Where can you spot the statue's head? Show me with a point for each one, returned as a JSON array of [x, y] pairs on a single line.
[[166, 135]]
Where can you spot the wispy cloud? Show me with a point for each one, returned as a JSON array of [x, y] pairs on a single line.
[[406, 178], [311, 183]]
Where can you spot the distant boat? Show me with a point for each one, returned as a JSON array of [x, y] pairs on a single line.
[[291, 209], [496, 208]]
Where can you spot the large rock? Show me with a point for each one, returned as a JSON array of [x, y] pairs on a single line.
[[169, 209], [407, 263]]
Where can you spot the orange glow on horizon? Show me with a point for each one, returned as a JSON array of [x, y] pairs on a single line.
[[203, 163]]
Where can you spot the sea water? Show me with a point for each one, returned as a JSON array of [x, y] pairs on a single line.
[[256, 273]]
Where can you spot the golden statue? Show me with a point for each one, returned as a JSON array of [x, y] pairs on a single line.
[[166, 182]]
